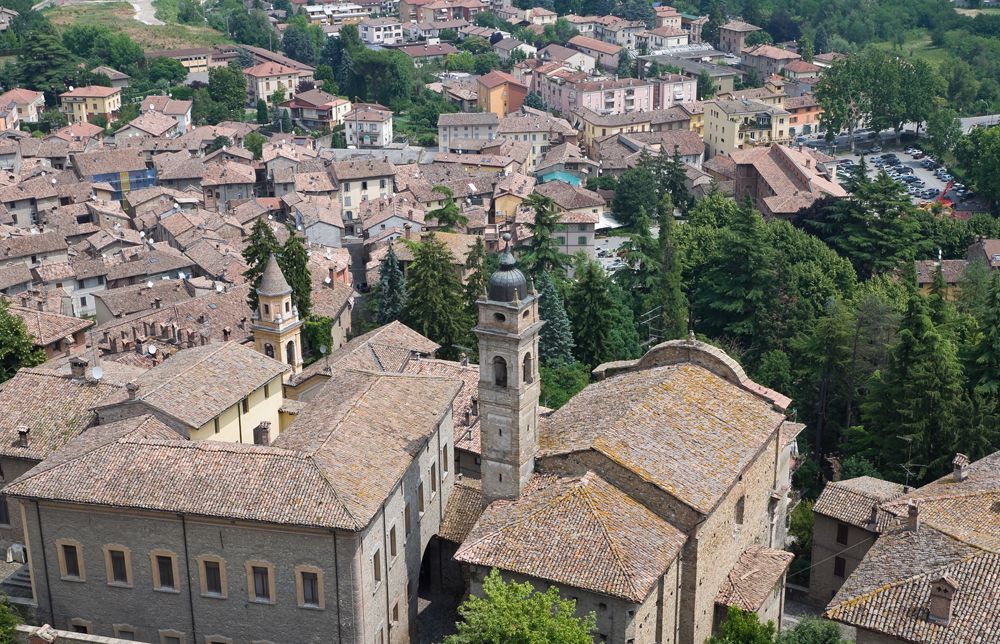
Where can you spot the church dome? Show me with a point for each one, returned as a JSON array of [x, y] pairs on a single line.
[[508, 283]]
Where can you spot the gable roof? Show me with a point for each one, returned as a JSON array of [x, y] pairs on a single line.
[[48, 327], [753, 577], [594, 44], [681, 427], [851, 500], [582, 532]]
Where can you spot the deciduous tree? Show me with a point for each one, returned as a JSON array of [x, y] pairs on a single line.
[[17, 347]]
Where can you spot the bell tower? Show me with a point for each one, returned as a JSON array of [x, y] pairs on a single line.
[[508, 330], [277, 329]]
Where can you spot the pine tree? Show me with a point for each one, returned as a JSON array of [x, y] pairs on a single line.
[[556, 341], [391, 288], [590, 305], [344, 71], [261, 244], [669, 293], [984, 358], [294, 263], [17, 347], [641, 254], [675, 181], [475, 266], [262, 115], [448, 215], [435, 304], [918, 396], [542, 249]]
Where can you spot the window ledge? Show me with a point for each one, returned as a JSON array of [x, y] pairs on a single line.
[[77, 580], [119, 584], [311, 607], [266, 602], [213, 596], [172, 591]]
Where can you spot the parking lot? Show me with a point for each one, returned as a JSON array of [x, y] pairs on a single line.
[[921, 175]]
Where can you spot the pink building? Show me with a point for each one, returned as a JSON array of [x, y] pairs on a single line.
[[673, 89], [566, 90]]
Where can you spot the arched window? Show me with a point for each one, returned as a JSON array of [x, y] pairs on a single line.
[[269, 350], [499, 372], [290, 352], [528, 372]]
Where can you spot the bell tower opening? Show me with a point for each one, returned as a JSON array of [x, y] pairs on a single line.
[[276, 325]]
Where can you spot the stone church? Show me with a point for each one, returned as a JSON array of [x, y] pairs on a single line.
[[656, 497]]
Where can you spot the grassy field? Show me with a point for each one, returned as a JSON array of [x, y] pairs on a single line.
[[119, 17], [976, 12], [918, 45]]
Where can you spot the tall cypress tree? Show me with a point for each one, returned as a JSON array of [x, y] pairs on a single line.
[[556, 342], [294, 263], [984, 358], [261, 244], [435, 304], [590, 305], [675, 181], [669, 293], [475, 266], [391, 288]]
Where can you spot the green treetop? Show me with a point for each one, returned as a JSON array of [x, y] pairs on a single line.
[[17, 347], [556, 341], [475, 265], [590, 305], [448, 215], [512, 613], [294, 263], [542, 251]]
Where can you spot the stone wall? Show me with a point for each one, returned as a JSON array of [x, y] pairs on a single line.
[[823, 583]]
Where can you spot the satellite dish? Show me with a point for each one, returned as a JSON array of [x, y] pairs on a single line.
[[97, 373], [141, 234], [218, 288], [270, 216], [327, 280], [322, 349], [151, 349], [149, 284]]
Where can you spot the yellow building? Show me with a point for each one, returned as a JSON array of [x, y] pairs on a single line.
[[595, 127], [221, 391], [500, 93], [730, 125], [696, 112], [277, 327], [84, 104]]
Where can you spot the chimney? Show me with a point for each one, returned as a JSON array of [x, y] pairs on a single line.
[[133, 390], [407, 231], [139, 345], [943, 591], [331, 273], [43, 635], [22, 435], [464, 359], [157, 302], [912, 516], [475, 406], [468, 417], [40, 305], [961, 467], [226, 332], [78, 367], [873, 517]]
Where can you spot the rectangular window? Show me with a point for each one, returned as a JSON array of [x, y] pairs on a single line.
[[119, 570], [377, 566], [444, 462], [246, 406], [395, 612], [216, 421], [4, 512], [420, 498], [261, 583], [407, 522], [842, 533], [434, 478], [310, 589], [839, 567], [267, 390], [71, 557], [212, 571], [582, 241], [165, 571]]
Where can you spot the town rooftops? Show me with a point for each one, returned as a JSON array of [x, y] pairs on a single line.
[[91, 91], [368, 114], [754, 577], [851, 500], [496, 78], [91, 164], [739, 25], [800, 66], [195, 385], [426, 51], [47, 327], [166, 105], [112, 74], [951, 270], [570, 197], [269, 69], [152, 123], [468, 118], [772, 52], [228, 173], [17, 246], [593, 44], [957, 538], [583, 532], [360, 169]]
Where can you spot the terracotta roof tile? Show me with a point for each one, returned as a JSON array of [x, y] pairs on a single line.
[[754, 577], [462, 511]]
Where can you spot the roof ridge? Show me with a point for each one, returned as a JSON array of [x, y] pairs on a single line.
[[583, 489]]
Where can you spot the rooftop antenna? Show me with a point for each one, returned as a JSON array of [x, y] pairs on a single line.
[[909, 466]]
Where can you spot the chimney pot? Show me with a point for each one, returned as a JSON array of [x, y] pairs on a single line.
[[133, 389], [157, 302], [475, 406], [22, 435], [961, 467], [78, 367], [912, 516], [943, 590]]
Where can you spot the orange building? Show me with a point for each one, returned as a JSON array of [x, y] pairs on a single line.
[[805, 114], [500, 93]]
